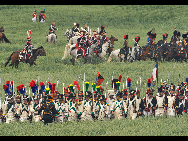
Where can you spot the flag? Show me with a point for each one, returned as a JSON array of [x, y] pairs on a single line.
[[99, 79], [154, 75]]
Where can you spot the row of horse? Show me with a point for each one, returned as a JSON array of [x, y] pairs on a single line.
[[164, 52]]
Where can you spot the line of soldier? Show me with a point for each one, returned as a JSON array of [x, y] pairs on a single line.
[[49, 105]]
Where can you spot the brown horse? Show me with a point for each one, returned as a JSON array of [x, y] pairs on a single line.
[[2, 36], [14, 57], [144, 53], [110, 48]]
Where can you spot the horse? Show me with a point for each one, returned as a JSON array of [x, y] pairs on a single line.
[[52, 38], [14, 57], [122, 57], [110, 48], [2, 36], [68, 34]]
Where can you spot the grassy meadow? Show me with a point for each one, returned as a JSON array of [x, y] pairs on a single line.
[[134, 20]]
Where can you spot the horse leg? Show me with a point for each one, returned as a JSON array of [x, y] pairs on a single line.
[[16, 64]]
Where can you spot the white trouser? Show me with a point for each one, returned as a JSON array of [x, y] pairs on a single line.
[[34, 19]]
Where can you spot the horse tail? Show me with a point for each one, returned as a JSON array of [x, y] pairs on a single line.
[[5, 38], [66, 52], [8, 59], [110, 57]]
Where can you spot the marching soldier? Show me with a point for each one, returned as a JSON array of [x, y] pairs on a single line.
[[102, 109], [161, 103], [110, 101], [61, 108], [149, 102], [9, 110], [139, 104], [42, 17], [180, 104], [72, 108], [171, 101], [80, 104], [87, 108], [34, 109], [49, 109], [125, 101], [17, 106], [34, 19], [131, 105], [24, 109], [117, 106]]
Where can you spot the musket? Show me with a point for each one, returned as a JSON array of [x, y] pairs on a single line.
[[63, 94], [173, 74], [179, 78], [106, 88], [140, 84], [83, 82], [136, 85], [112, 79], [38, 84], [57, 83]]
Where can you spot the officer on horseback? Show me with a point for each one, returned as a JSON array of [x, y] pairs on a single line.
[[52, 30], [28, 48], [123, 50]]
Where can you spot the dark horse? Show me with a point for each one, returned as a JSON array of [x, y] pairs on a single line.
[[110, 48], [2, 36], [14, 57]]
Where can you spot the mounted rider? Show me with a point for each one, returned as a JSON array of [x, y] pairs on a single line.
[[137, 39], [52, 30], [124, 49], [97, 41], [75, 28], [80, 45], [26, 53]]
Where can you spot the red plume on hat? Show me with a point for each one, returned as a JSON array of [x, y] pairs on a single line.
[[120, 77], [32, 83], [41, 83], [5, 87], [53, 87], [76, 83]]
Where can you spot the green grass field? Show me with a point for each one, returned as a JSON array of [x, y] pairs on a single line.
[[134, 20]]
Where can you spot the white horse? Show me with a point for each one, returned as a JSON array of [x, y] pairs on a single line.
[[52, 38], [104, 50], [68, 50], [130, 56]]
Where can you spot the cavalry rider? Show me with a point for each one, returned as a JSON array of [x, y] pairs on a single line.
[[175, 37], [137, 39], [123, 50], [34, 19], [102, 31], [27, 51], [80, 45], [75, 28], [184, 44], [96, 40], [149, 40], [52, 29]]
